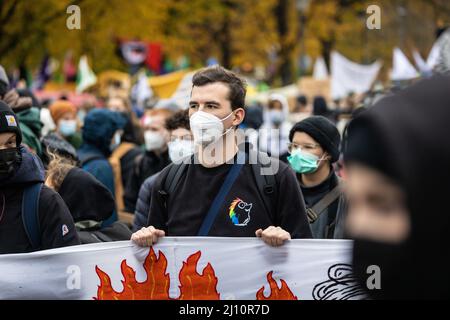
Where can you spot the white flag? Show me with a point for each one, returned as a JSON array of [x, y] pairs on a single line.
[[86, 76], [420, 63], [320, 69], [433, 56], [348, 76], [402, 69], [141, 91]]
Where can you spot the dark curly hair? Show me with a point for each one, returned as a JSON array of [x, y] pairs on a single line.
[[179, 120]]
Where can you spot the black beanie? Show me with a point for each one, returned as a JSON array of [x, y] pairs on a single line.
[[9, 122], [323, 131]]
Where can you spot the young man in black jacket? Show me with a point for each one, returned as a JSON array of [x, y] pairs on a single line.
[[155, 158], [180, 146], [216, 109], [20, 170]]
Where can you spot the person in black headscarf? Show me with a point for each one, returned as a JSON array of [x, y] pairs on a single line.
[[397, 157], [88, 200]]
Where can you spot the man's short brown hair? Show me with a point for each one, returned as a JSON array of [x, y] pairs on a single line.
[[236, 85]]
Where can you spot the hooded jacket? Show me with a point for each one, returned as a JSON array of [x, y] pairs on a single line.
[[86, 197], [56, 224], [275, 144], [31, 126], [406, 137], [99, 128]]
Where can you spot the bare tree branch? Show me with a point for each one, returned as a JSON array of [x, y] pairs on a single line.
[[9, 13]]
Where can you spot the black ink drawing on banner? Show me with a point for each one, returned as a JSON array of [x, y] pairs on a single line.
[[341, 285]]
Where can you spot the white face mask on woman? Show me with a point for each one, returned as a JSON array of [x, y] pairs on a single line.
[[153, 140], [180, 149], [207, 128], [276, 117]]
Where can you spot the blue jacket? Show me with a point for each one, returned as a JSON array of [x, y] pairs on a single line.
[[98, 130], [93, 161]]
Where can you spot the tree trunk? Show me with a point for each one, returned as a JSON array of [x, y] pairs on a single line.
[[284, 53]]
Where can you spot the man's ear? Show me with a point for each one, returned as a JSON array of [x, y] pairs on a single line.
[[239, 115]]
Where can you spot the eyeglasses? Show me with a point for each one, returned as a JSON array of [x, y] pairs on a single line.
[[306, 146]]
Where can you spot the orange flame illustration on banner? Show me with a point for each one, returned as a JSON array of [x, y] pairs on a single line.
[[194, 286], [283, 293], [155, 287]]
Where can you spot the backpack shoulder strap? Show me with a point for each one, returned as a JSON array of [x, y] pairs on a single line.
[[265, 179], [114, 160], [316, 210], [137, 164], [122, 149], [174, 174], [30, 214]]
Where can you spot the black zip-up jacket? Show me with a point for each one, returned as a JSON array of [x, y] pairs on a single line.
[[56, 223]]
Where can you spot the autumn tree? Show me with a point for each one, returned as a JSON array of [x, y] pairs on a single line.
[[263, 33]]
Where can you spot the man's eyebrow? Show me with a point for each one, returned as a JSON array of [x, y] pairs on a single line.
[[212, 102], [206, 102]]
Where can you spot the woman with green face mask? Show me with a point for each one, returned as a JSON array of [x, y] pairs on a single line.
[[314, 147], [302, 161]]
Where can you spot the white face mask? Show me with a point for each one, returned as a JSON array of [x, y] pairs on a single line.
[[180, 149], [153, 140], [207, 128], [276, 116], [116, 140]]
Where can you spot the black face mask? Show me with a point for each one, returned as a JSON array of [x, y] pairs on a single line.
[[10, 160], [395, 265]]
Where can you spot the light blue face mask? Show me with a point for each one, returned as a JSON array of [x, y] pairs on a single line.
[[303, 162], [67, 127]]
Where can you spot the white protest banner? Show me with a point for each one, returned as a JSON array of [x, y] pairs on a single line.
[[184, 268], [348, 76]]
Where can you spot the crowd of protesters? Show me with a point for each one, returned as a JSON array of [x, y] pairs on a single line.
[[220, 168]]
